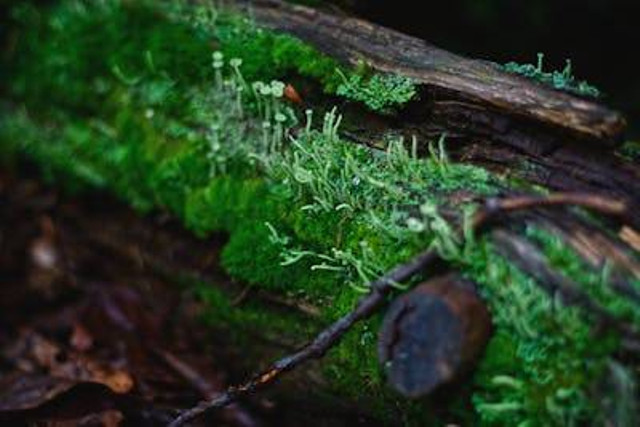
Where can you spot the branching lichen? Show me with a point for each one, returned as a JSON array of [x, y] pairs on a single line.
[[561, 80], [380, 92]]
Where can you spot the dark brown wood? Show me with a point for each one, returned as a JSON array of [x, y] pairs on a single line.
[[433, 335], [475, 84], [568, 168], [491, 117]]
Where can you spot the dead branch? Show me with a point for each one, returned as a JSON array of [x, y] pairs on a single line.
[[597, 248], [604, 205], [233, 413], [473, 88], [433, 335]]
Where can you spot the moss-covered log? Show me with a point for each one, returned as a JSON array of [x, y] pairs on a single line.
[[170, 106], [480, 88], [494, 117]]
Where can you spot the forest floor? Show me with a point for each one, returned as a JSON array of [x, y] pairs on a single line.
[[88, 337]]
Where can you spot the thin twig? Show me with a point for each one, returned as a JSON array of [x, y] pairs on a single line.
[[495, 206], [323, 342], [381, 287], [232, 413], [194, 378]]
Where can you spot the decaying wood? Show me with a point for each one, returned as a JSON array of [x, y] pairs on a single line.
[[380, 288], [491, 117], [433, 335], [476, 84], [569, 168], [530, 259], [323, 341], [159, 248], [597, 248]]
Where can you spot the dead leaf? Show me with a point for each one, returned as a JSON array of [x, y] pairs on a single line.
[[81, 339]]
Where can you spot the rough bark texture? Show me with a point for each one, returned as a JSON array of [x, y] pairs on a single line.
[[476, 83]]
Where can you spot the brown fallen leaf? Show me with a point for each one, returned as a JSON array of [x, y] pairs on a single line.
[[81, 339], [118, 381], [30, 399], [35, 353]]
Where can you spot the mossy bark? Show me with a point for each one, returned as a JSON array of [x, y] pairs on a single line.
[[498, 119], [121, 96]]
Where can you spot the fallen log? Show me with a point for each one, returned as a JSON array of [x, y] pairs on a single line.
[[425, 368], [490, 116], [313, 219], [479, 90]]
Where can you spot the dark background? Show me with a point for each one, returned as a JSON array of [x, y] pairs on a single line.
[[601, 37]]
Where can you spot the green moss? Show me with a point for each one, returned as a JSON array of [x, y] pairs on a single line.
[[137, 109], [538, 367], [240, 321], [595, 281], [268, 55], [630, 151]]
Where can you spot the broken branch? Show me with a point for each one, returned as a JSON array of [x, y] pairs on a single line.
[[433, 334]]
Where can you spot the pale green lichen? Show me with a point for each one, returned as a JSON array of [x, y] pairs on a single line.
[[380, 92], [561, 80], [266, 54]]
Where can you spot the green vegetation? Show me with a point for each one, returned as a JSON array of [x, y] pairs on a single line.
[[175, 108], [630, 150], [593, 280], [268, 55], [561, 80], [379, 92]]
